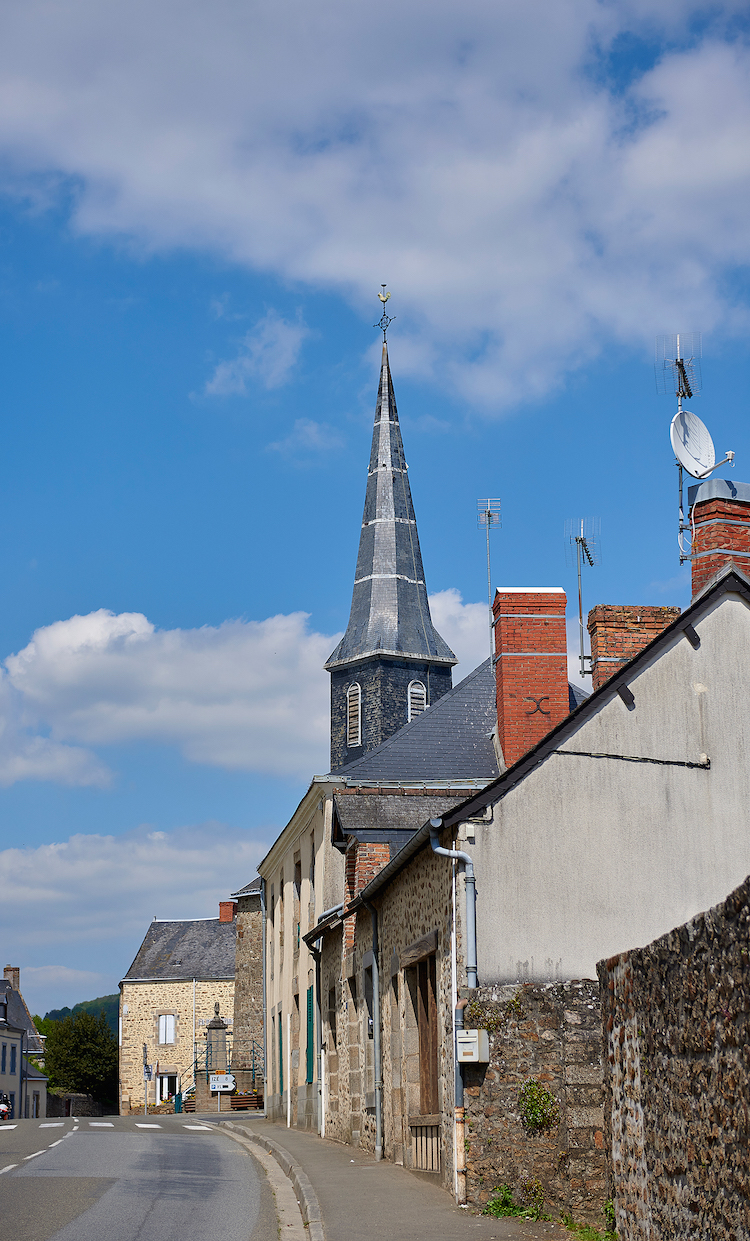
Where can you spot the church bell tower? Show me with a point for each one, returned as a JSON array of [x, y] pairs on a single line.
[[391, 663]]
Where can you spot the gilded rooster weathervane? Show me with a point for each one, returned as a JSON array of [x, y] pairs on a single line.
[[385, 319]]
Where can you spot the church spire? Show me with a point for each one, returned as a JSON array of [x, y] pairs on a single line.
[[390, 629]]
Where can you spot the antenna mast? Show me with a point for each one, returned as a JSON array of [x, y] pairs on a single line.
[[488, 515], [583, 535]]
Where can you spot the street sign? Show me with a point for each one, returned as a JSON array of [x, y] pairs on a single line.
[[222, 1081], [148, 1072]]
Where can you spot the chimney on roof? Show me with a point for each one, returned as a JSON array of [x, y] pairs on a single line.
[[227, 910], [618, 633], [531, 666], [720, 515], [13, 976]]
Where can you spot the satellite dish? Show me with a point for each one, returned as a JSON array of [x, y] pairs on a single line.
[[692, 444]]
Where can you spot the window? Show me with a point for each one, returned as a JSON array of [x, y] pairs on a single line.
[[332, 1018], [428, 1034], [417, 696], [13, 1051], [166, 1028], [310, 1051], [354, 715], [4, 1060]]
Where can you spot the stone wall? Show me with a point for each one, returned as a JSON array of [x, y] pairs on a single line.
[[141, 1003], [69, 1103], [248, 994], [551, 1034], [384, 684], [676, 1039]]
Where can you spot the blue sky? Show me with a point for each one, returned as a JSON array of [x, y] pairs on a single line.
[[196, 218]]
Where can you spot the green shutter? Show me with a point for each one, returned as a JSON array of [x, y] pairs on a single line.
[[310, 1034]]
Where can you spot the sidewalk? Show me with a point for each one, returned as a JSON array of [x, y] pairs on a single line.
[[361, 1199]]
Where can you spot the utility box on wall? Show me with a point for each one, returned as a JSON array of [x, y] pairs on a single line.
[[473, 1046]]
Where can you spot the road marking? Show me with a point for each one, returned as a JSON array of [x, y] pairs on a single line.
[[57, 1143], [8, 1168], [147, 1126], [203, 1128], [34, 1155], [8, 1127], [53, 1124], [101, 1124]]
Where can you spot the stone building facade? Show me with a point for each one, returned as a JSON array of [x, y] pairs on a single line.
[[676, 1034], [248, 1041], [167, 998]]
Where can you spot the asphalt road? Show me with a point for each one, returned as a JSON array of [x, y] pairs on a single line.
[[130, 1179]]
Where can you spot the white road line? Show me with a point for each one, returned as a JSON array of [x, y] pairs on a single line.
[[101, 1124], [57, 1143], [203, 1128], [34, 1155], [147, 1126], [8, 1127], [53, 1124], [8, 1168]]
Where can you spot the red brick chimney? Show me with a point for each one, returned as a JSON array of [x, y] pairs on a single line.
[[721, 520], [531, 666], [227, 910], [618, 633], [13, 976]]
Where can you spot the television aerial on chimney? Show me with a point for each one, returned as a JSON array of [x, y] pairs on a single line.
[[677, 367], [583, 546], [488, 516]]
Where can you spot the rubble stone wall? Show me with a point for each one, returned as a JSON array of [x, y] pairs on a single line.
[[676, 1041], [551, 1034]]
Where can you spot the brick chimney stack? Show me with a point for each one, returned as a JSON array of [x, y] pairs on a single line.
[[618, 633], [13, 976], [227, 910], [531, 666], [721, 519]]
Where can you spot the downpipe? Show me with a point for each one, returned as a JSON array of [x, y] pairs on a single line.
[[471, 899], [376, 1034], [460, 1113]]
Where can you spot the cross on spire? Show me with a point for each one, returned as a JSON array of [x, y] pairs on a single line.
[[385, 319]]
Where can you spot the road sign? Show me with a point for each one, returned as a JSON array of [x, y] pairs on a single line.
[[148, 1072], [222, 1081]]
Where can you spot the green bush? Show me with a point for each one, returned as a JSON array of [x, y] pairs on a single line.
[[81, 1055], [538, 1107]]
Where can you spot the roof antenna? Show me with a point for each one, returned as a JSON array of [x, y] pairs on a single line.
[[488, 515], [385, 319], [678, 373], [582, 534]]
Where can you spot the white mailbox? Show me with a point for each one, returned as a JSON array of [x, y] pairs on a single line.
[[473, 1046]]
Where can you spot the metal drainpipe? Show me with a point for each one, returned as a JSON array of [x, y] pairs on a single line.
[[264, 911], [460, 1114], [376, 1033], [471, 897], [316, 955]]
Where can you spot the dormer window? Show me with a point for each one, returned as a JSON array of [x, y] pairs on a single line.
[[354, 715], [417, 695]]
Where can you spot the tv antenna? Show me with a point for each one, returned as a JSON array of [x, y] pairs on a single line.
[[582, 545], [488, 516], [678, 373]]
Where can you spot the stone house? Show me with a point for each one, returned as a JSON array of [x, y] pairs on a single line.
[[22, 1083], [167, 999], [248, 1047], [612, 824]]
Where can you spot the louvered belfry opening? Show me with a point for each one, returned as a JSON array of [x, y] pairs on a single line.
[[390, 647]]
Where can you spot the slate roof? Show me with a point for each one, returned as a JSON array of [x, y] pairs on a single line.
[[390, 614], [20, 1018], [386, 817], [183, 950], [249, 888]]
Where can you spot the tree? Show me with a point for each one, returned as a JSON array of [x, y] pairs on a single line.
[[81, 1054]]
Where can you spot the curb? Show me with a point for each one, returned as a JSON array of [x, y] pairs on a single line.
[[306, 1195]]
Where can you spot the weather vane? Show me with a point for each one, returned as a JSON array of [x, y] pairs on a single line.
[[385, 319]]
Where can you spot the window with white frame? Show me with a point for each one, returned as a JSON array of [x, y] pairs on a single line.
[[417, 696], [166, 1028], [354, 715]]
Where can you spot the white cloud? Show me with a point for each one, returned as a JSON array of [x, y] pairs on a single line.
[[465, 627], [525, 209], [247, 695], [268, 353], [27, 755], [74, 913], [307, 437]]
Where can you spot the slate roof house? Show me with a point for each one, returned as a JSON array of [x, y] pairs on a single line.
[[621, 821], [405, 746], [167, 999], [21, 1081]]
